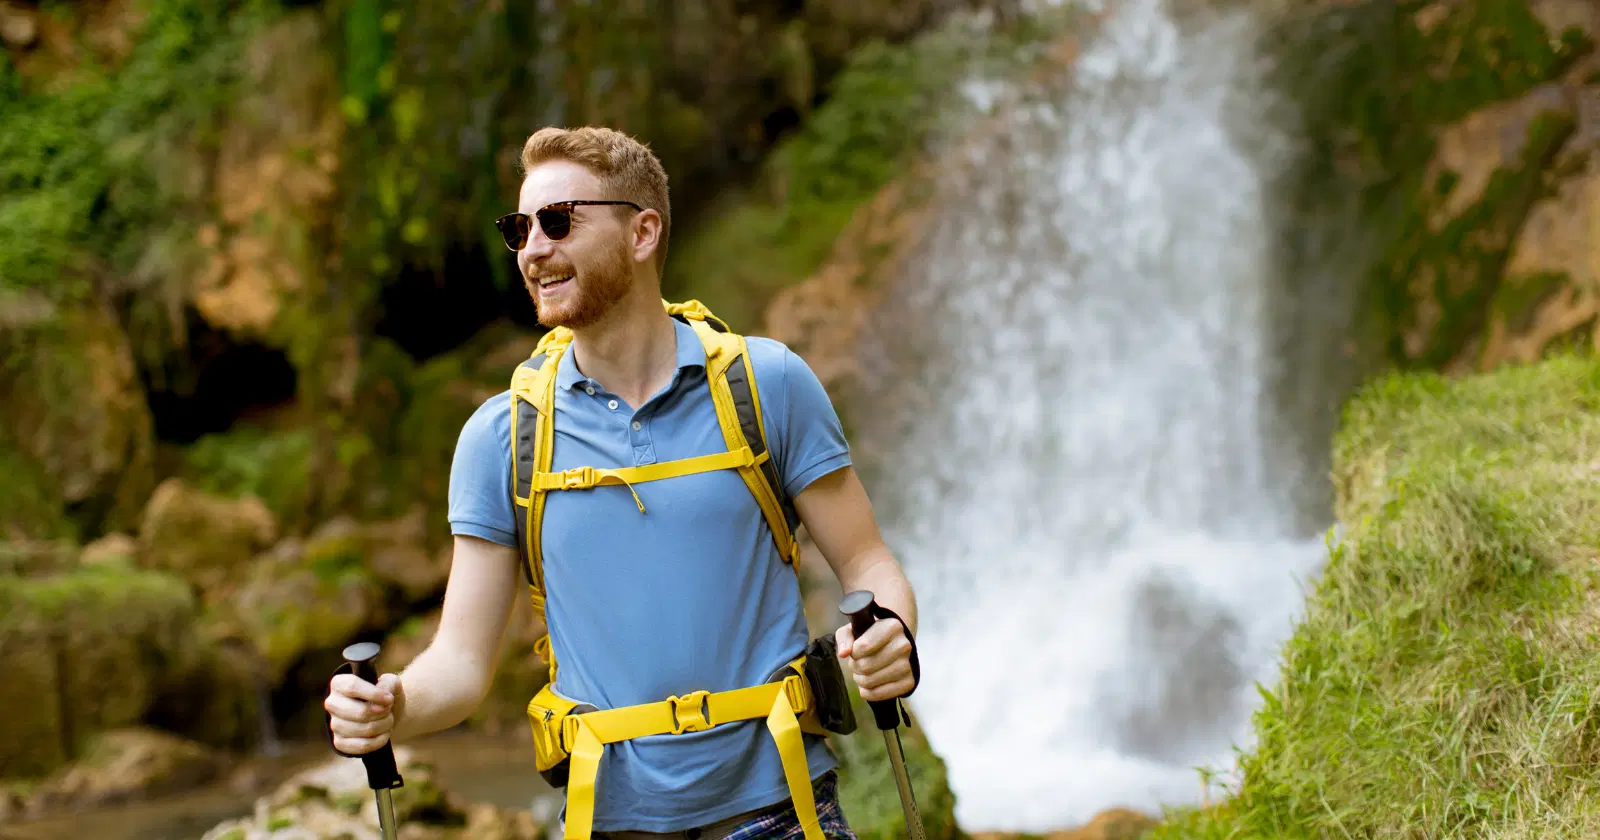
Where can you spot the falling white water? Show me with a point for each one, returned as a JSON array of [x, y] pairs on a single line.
[[1080, 426]]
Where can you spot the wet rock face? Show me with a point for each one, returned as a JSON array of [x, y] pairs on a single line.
[[1489, 183], [332, 800]]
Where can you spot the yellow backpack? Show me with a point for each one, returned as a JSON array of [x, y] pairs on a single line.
[[569, 737]]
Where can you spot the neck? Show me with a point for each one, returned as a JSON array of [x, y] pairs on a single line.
[[633, 351]]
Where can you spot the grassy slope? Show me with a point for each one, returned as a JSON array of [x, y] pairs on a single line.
[[1444, 681]]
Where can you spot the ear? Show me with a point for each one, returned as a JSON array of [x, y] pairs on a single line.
[[646, 235]]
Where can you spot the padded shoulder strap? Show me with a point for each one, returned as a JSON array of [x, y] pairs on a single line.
[[532, 447], [529, 387], [738, 403]]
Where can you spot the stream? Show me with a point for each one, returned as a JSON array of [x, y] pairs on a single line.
[[479, 767]]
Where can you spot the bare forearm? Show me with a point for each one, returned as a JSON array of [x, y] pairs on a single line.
[[441, 688], [879, 573]]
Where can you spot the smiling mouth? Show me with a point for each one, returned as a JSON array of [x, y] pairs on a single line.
[[554, 282]]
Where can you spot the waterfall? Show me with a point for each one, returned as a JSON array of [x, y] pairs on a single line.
[[1086, 428]]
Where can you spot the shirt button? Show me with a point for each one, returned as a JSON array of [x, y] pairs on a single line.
[[589, 389], [637, 425], [612, 405]]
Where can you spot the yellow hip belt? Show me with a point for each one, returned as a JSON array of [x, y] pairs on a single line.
[[568, 745]]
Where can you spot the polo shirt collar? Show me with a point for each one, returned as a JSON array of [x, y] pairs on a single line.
[[691, 353]]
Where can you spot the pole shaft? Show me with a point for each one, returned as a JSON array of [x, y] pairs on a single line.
[[902, 781], [385, 814]]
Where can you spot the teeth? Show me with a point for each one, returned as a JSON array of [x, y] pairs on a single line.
[[554, 278]]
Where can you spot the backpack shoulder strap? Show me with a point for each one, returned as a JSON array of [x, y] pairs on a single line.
[[532, 448], [732, 379]]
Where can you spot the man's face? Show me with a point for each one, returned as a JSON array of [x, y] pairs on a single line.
[[576, 280]]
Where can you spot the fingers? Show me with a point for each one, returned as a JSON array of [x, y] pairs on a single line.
[[884, 643], [886, 679], [360, 713], [351, 685], [359, 746], [353, 710], [888, 691], [880, 660]]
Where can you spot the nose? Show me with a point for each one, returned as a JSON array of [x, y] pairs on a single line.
[[538, 247], [538, 244]]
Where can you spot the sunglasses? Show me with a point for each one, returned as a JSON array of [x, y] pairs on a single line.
[[554, 219]]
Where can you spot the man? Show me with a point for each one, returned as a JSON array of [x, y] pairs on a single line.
[[643, 606]]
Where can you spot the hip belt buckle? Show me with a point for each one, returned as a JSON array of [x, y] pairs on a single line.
[[690, 712]]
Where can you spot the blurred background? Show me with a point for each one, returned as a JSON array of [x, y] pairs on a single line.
[[1088, 281]]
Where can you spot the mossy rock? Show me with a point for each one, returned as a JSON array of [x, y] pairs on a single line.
[[85, 651], [31, 507], [1397, 100], [37, 558], [302, 599], [207, 540], [71, 406]]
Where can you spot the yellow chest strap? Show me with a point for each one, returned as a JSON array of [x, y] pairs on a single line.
[[582, 478]]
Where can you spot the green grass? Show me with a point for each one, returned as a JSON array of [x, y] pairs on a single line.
[[1443, 682]]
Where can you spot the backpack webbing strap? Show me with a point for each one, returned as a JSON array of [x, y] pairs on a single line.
[[533, 445], [731, 378]]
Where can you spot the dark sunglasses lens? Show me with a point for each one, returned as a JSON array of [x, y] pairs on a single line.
[[555, 222], [514, 229]]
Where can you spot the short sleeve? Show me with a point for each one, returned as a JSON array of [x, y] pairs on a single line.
[[480, 475], [812, 443]]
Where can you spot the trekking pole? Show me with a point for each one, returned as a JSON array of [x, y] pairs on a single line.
[[382, 774], [862, 609]]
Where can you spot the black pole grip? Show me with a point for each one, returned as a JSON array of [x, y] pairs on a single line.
[[382, 774], [863, 609]]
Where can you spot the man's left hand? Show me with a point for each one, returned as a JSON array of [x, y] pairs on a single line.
[[880, 659]]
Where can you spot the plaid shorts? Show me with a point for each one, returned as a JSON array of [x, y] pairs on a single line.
[[785, 823], [775, 822]]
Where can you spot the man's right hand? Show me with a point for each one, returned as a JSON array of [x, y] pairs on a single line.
[[362, 714]]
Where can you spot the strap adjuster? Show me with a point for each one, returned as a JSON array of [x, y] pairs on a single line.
[[577, 478], [690, 713]]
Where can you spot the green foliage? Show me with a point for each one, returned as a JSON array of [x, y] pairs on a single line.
[[30, 504], [93, 169], [51, 176], [1443, 682], [888, 105], [268, 464], [878, 114]]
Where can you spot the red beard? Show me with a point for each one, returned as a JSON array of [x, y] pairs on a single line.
[[590, 296]]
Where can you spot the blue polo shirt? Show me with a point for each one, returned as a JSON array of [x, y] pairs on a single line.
[[691, 594]]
